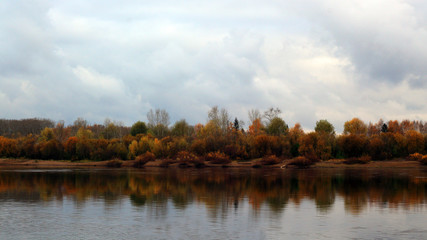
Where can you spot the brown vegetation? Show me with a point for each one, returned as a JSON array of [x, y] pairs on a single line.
[[142, 159], [300, 162], [359, 160], [217, 158], [270, 160], [218, 142]]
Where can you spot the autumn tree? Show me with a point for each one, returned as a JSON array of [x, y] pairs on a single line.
[[308, 146], [355, 126], [138, 128], [181, 128], [376, 148], [8, 147], [219, 117], [253, 115], [323, 126], [295, 134], [393, 126], [256, 128], [352, 145], [277, 127], [77, 124], [61, 132], [415, 141]]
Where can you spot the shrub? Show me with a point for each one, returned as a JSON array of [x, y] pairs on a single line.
[[414, 157], [142, 159], [185, 159], [300, 162], [217, 158], [360, 160], [270, 160], [115, 163]]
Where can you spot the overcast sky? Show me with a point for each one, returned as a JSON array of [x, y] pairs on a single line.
[[313, 59]]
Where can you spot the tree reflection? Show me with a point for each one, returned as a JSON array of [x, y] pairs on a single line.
[[221, 190]]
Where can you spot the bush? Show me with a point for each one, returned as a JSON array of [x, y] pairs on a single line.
[[300, 162], [414, 157], [115, 163], [142, 159], [217, 158], [270, 160], [186, 159], [359, 160]]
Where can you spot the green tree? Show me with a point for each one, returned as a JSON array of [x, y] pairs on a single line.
[[277, 127], [323, 126], [138, 128], [181, 128]]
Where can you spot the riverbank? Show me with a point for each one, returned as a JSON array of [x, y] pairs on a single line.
[[333, 163]]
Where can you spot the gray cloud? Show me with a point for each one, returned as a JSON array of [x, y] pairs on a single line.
[[385, 39], [315, 60]]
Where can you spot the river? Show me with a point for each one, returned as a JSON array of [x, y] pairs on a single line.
[[213, 204]]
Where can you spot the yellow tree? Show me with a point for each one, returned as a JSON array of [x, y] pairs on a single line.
[[355, 126]]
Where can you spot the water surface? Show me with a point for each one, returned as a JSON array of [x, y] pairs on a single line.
[[213, 204]]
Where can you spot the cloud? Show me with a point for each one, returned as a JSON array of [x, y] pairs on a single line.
[[384, 39], [314, 60]]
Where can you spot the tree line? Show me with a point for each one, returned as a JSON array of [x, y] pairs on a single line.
[[219, 189], [267, 135]]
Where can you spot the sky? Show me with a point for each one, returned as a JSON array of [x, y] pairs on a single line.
[[312, 59]]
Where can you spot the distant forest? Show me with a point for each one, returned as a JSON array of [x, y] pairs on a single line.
[[267, 135]]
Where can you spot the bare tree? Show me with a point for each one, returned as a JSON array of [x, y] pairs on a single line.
[[219, 117], [254, 114], [24, 127], [270, 114], [157, 117]]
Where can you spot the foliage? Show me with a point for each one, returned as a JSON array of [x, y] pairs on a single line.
[[256, 128], [270, 160], [376, 148], [8, 147], [142, 159], [415, 141], [352, 145], [277, 127], [300, 162], [217, 139], [185, 158], [51, 149], [217, 158], [323, 126], [138, 128], [414, 157], [181, 128], [355, 126]]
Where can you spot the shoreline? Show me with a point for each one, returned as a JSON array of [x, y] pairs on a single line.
[[333, 163]]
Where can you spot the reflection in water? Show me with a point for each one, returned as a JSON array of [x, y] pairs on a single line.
[[212, 204], [222, 190]]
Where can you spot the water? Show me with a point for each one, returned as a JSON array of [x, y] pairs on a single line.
[[213, 204]]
